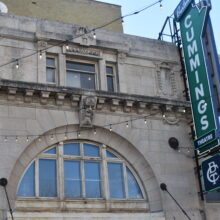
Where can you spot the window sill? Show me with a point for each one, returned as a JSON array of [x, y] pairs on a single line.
[[92, 205]]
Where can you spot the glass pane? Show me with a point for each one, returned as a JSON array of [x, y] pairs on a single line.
[[110, 155], [72, 179], [93, 180], [91, 150], [51, 151], [72, 149], [213, 196], [110, 84], [27, 185], [50, 75], [134, 190], [116, 180], [80, 66], [50, 62], [87, 81], [47, 178], [109, 70], [73, 79]]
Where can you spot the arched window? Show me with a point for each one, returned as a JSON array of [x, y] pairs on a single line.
[[80, 170]]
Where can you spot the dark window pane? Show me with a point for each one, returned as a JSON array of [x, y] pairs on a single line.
[[72, 149], [134, 190], [213, 196], [91, 150], [47, 178], [87, 81], [93, 180], [50, 75], [109, 70], [50, 62], [80, 66], [110, 84], [73, 79], [110, 155], [51, 151], [27, 185], [72, 179], [116, 180]]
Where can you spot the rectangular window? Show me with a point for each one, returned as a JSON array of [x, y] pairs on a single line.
[[93, 179], [80, 75], [47, 178], [116, 180], [110, 78], [50, 70], [72, 179]]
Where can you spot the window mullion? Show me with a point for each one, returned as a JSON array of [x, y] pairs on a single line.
[[82, 172], [125, 181], [37, 178], [60, 173], [104, 174], [83, 179]]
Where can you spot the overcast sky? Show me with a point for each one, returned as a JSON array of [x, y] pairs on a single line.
[[149, 23]]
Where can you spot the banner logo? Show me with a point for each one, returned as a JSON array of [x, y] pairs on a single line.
[[212, 175]]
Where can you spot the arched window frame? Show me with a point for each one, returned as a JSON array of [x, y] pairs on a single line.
[[60, 157]]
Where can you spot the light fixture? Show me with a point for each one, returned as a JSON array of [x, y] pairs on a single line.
[[40, 55], [161, 6], [27, 139], [94, 35], [16, 139], [39, 139], [94, 131], [5, 139], [110, 127], [17, 64], [145, 121], [67, 46], [127, 124], [78, 134]]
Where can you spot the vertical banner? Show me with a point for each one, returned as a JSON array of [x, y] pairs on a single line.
[[193, 20]]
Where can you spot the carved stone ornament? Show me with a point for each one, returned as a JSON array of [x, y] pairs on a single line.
[[85, 36], [86, 113], [171, 120], [166, 81]]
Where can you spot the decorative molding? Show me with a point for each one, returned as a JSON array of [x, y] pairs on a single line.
[[85, 36], [166, 80], [86, 112], [171, 120]]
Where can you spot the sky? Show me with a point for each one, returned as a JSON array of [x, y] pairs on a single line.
[[149, 23]]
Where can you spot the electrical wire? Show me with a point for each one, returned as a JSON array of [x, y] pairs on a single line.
[[90, 31]]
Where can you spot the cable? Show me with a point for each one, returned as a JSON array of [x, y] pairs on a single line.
[[90, 31], [52, 134]]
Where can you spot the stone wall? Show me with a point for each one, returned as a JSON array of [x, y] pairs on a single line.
[[71, 11], [148, 86]]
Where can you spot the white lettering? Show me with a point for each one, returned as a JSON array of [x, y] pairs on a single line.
[[194, 63], [204, 122], [199, 91], [188, 37], [197, 76], [202, 107], [192, 49], [186, 23]]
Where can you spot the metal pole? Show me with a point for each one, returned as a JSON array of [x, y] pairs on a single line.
[[4, 182], [163, 187]]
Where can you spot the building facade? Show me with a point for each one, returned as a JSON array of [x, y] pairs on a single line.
[[90, 127]]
